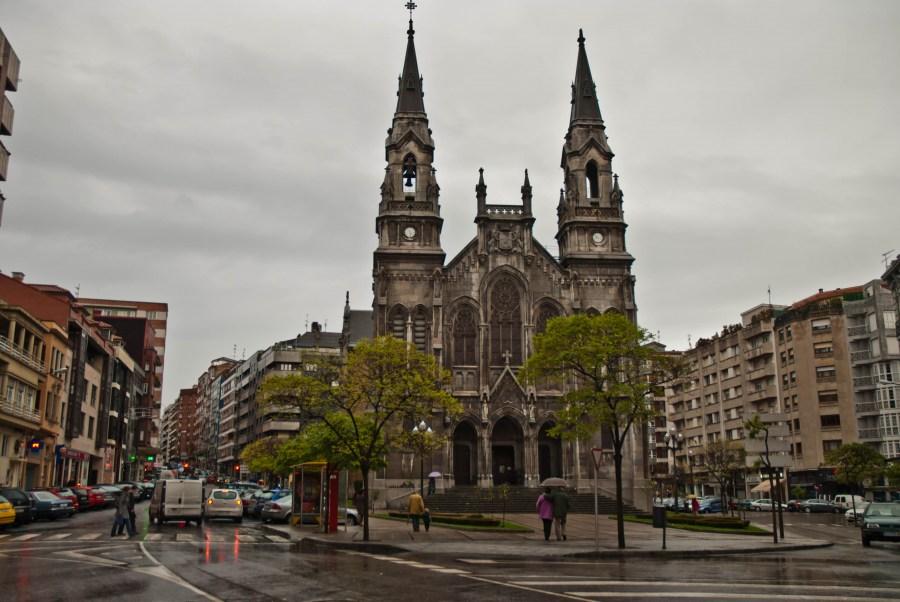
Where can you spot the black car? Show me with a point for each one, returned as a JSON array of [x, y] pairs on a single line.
[[50, 506], [21, 502]]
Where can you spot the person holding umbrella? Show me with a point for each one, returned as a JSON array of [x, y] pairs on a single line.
[[545, 511], [432, 482], [561, 505]]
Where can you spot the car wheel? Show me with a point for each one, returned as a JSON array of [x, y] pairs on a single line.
[[866, 542], [807, 510], [352, 520], [239, 520]]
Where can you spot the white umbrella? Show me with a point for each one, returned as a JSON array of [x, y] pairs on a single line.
[[554, 482], [434, 475]]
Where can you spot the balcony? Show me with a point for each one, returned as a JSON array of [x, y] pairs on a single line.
[[867, 407], [758, 351], [826, 378], [857, 331], [760, 393], [767, 370], [869, 434], [861, 382], [271, 426], [7, 113], [4, 162], [11, 409], [10, 348], [860, 356], [12, 69]]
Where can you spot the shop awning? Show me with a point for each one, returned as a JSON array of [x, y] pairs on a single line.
[[763, 487]]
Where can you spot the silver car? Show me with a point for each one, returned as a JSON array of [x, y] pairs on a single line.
[[224, 503], [278, 510]]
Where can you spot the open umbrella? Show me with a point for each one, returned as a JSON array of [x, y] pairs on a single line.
[[554, 482], [434, 475]]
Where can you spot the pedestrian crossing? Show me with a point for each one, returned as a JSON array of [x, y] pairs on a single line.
[[7, 539]]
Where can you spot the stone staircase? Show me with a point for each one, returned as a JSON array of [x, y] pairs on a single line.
[[520, 500]]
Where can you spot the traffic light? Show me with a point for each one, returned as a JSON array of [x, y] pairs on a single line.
[[35, 445], [185, 465], [151, 458], [132, 458], [237, 468]]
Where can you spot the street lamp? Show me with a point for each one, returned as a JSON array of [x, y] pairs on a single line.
[[691, 468], [674, 441], [420, 431]]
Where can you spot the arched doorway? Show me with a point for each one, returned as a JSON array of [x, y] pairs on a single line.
[[465, 454], [506, 452], [549, 454]]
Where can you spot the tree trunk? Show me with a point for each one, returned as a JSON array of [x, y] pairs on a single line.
[[365, 516], [620, 506]]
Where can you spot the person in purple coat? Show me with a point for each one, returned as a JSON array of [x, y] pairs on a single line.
[[545, 511]]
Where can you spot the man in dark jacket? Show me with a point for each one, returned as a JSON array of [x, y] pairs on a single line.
[[132, 516], [560, 512]]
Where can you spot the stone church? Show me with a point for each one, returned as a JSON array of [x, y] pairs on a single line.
[[478, 312]]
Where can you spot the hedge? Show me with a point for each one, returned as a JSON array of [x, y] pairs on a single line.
[[728, 522], [476, 520]]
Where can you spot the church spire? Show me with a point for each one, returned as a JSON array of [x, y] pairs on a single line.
[[409, 94], [585, 106]]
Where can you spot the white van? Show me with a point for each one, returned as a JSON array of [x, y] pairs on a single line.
[[845, 501], [177, 499]]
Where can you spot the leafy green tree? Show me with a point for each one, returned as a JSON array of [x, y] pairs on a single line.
[[610, 371], [722, 460], [757, 429], [363, 403], [259, 456], [892, 473], [855, 462], [799, 492]]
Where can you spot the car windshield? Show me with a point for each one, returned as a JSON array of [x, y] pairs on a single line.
[[3, 500], [892, 510], [45, 496], [220, 494]]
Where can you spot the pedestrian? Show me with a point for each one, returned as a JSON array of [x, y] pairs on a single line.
[[560, 512], [359, 502], [426, 519], [132, 515], [695, 505], [121, 515], [545, 511], [416, 509], [432, 485]]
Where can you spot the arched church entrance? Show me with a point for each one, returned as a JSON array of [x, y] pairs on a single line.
[[507, 442], [549, 454], [465, 454]]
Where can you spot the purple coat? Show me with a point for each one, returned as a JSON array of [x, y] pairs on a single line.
[[544, 507]]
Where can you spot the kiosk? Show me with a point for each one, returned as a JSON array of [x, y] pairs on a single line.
[[317, 489]]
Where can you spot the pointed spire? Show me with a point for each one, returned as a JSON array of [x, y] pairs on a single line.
[[585, 106], [526, 194], [409, 94], [347, 305], [481, 191]]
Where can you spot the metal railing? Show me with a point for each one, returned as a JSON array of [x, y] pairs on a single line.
[[17, 352], [863, 354], [8, 407], [857, 331]]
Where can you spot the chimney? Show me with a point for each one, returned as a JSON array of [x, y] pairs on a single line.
[[821, 291], [316, 327], [18, 276]]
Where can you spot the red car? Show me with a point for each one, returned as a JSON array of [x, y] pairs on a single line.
[[95, 499]]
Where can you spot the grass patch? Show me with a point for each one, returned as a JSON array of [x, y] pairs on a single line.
[[459, 522], [748, 530]]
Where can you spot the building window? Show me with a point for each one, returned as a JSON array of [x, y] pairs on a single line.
[[397, 322], [592, 184], [90, 430], [93, 395], [545, 314], [420, 329], [409, 174], [787, 332], [828, 397], [890, 320], [825, 374], [822, 349], [821, 325], [465, 337], [830, 421], [828, 446], [506, 323]]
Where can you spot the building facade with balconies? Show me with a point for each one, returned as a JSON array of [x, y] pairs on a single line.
[[9, 82]]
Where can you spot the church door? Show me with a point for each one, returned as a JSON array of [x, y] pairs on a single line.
[[549, 454], [465, 454], [506, 452]]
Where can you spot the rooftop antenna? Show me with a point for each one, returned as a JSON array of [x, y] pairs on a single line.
[[325, 326], [770, 294], [689, 342], [884, 257], [234, 351], [244, 353], [78, 288], [306, 324]]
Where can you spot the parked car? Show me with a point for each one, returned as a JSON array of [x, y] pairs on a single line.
[[845, 501], [353, 517], [881, 522], [819, 505], [177, 499], [63, 492], [224, 503], [793, 505], [742, 504], [109, 493], [710, 505], [763, 505], [277, 510], [7, 512], [139, 492], [852, 515], [95, 499], [21, 502], [50, 506]]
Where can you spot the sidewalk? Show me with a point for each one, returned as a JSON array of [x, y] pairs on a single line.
[[392, 537]]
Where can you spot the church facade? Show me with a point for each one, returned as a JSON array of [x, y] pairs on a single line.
[[479, 311]]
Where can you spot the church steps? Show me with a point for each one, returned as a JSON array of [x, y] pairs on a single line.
[[519, 500]]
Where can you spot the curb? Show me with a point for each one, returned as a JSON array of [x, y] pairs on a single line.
[[312, 543]]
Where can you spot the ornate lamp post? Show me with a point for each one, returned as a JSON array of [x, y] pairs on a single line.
[[674, 441], [691, 468], [420, 432]]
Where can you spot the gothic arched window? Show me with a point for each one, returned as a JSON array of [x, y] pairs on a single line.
[[465, 338], [397, 322], [506, 323], [420, 328], [545, 313], [409, 174], [592, 183]]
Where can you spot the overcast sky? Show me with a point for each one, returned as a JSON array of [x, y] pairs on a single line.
[[226, 157]]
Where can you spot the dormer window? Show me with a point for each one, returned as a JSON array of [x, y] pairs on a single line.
[[591, 182], [409, 175]]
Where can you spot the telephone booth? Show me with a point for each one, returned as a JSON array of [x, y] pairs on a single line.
[[317, 490]]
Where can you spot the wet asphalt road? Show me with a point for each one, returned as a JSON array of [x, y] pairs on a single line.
[[77, 560]]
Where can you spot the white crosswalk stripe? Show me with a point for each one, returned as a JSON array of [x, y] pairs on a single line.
[[59, 536], [25, 537], [245, 538], [210, 537], [153, 537], [185, 537], [3, 536], [88, 536]]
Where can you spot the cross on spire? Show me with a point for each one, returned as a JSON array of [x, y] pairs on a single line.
[[411, 6]]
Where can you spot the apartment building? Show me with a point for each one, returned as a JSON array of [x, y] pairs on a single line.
[[156, 314], [9, 82], [729, 377], [209, 406]]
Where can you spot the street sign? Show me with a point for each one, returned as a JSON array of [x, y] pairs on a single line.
[[597, 453]]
